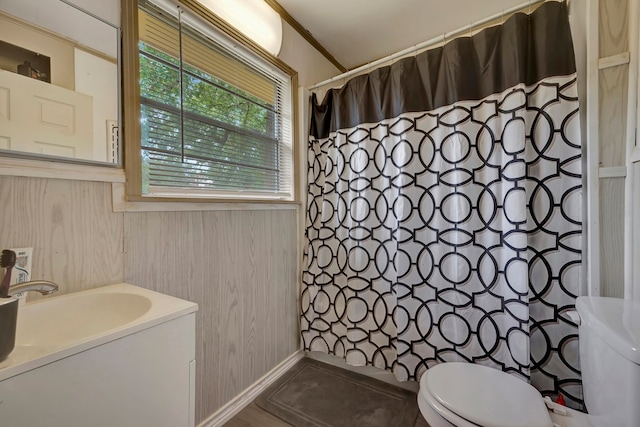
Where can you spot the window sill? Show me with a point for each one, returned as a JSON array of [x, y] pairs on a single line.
[[10, 166], [121, 204]]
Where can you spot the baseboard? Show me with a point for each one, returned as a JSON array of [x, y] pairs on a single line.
[[247, 396]]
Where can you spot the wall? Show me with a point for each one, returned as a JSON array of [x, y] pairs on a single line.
[[312, 67], [77, 239], [96, 76], [241, 268], [613, 91], [635, 291], [60, 52]]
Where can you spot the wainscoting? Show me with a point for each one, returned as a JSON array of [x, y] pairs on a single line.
[[241, 268], [75, 235], [613, 91]]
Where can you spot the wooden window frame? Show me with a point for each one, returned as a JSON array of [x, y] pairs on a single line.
[[131, 133]]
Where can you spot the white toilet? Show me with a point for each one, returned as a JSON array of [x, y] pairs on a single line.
[[470, 395]]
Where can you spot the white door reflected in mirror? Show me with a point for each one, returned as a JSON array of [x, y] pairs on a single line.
[[59, 94]]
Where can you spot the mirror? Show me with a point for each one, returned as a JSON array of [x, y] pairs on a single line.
[[59, 80]]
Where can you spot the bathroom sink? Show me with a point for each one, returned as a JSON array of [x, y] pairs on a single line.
[[80, 359], [74, 317], [57, 327]]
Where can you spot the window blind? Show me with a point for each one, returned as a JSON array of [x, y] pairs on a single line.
[[214, 121]]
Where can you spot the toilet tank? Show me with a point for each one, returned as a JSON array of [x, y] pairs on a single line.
[[610, 360]]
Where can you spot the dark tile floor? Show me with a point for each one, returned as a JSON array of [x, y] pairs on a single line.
[[351, 395], [254, 416]]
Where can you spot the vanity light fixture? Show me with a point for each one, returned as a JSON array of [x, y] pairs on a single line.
[[254, 18]]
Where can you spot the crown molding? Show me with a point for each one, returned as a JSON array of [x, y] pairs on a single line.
[[304, 33]]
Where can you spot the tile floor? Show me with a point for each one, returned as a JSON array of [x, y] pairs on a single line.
[[339, 383], [254, 416]]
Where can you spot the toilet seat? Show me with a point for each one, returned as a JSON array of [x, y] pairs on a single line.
[[469, 395], [430, 406]]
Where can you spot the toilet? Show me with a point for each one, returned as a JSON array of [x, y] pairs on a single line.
[[471, 395]]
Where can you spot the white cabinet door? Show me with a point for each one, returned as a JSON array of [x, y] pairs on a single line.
[[144, 380], [38, 117]]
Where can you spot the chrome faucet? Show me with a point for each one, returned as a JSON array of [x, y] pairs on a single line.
[[43, 286]]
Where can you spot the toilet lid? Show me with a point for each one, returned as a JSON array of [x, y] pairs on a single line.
[[485, 396]]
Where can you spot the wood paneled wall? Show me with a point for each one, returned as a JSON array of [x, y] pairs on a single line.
[[241, 269], [613, 92], [612, 237], [76, 236], [239, 266]]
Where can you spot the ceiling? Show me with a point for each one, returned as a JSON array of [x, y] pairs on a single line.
[[356, 32]]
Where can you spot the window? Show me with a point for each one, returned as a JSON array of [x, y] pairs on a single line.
[[215, 119]]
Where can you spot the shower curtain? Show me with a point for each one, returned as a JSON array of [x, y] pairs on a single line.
[[444, 209]]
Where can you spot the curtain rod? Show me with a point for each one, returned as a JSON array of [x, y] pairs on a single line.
[[428, 43]]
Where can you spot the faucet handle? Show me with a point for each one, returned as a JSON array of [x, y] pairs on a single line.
[[45, 287]]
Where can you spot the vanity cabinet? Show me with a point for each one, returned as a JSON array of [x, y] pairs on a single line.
[[145, 379]]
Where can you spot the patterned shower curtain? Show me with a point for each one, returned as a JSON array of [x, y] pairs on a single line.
[[444, 209]]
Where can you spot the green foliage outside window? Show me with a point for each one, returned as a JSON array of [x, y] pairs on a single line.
[[230, 136]]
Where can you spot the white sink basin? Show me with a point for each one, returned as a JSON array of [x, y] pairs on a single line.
[[76, 317], [81, 359], [56, 327]]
